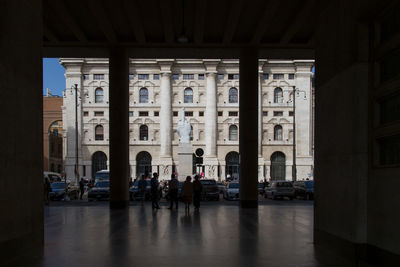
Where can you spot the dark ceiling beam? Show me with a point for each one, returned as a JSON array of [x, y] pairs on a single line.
[[200, 11], [134, 18], [233, 20], [166, 14], [48, 33], [104, 23], [271, 10], [58, 6], [307, 7]]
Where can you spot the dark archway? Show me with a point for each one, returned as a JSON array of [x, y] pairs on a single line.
[[232, 164], [143, 163], [99, 162], [278, 166]]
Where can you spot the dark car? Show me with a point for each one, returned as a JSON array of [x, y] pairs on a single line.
[[279, 189], [304, 189], [100, 190], [210, 190], [261, 188], [167, 197], [134, 193], [58, 190], [221, 187]]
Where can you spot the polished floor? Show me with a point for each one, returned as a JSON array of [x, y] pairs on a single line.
[[276, 234]]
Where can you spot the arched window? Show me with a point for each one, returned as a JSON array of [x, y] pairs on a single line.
[[278, 166], [278, 133], [233, 95], [232, 165], [99, 133], [99, 95], [144, 133], [143, 163], [143, 95], [188, 95], [233, 133], [99, 162], [278, 95]]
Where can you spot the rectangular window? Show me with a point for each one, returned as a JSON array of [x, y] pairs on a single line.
[[188, 76], [143, 76], [291, 113], [98, 76], [85, 113], [201, 76], [265, 113], [175, 77], [86, 76], [175, 113], [156, 114], [143, 113], [156, 76], [265, 76], [84, 170], [188, 113], [233, 76], [389, 150], [130, 113], [291, 76], [220, 113], [99, 113], [201, 113], [278, 76], [278, 113], [131, 77], [220, 76], [233, 113]]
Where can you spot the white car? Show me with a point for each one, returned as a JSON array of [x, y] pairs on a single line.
[[231, 191]]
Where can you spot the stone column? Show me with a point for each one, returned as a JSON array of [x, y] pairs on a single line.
[[260, 123], [248, 131], [119, 128], [210, 157], [165, 119]]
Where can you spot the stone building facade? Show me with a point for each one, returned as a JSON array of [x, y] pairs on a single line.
[[207, 91]]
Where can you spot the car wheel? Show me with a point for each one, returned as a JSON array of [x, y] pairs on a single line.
[[273, 197]]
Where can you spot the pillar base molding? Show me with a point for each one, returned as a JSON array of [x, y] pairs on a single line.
[[119, 204], [248, 204]]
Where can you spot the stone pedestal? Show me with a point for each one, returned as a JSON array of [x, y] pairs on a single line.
[[185, 156]]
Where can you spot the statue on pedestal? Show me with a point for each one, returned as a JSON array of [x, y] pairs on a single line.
[[184, 128]]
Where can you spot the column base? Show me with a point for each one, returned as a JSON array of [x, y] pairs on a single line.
[[119, 204], [246, 204]]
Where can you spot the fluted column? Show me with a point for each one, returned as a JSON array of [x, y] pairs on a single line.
[[165, 115], [211, 115], [260, 123]]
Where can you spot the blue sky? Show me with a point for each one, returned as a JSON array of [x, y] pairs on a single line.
[[53, 76]]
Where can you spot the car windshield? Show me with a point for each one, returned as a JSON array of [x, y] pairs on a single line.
[[103, 175], [309, 184], [58, 185], [102, 184], [284, 184], [235, 185], [54, 177], [209, 182]]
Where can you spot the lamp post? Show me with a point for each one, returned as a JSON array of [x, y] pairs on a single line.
[[76, 135]]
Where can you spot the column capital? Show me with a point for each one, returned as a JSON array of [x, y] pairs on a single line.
[[165, 65], [211, 65]]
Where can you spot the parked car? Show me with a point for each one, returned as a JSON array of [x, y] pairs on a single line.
[[100, 190], [221, 187], [304, 189], [231, 191], [53, 176], [167, 197], [210, 189], [103, 175], [58, 190], [279, 189], [261, 188], [134, 191]]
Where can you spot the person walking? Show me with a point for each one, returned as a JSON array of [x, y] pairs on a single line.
[[142, 189], [155, 191], [187, 193], [173, 187], [197, 189], [81, 187]]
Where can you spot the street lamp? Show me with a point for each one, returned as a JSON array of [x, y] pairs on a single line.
[[294, 92]]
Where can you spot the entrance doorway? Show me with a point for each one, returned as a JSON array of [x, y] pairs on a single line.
[[99, 162], [232, 165], [278, 166], [143, 163]]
